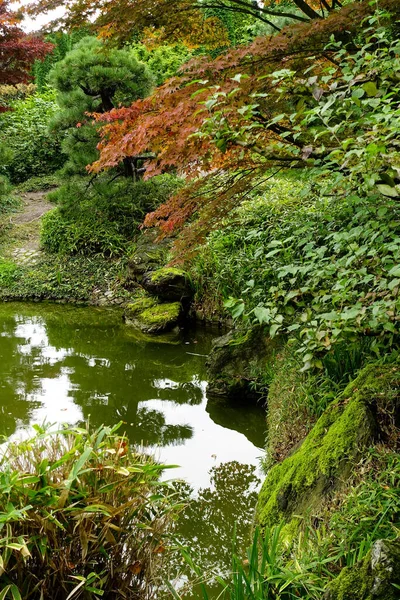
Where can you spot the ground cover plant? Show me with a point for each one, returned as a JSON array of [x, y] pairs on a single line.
[[83, 515]]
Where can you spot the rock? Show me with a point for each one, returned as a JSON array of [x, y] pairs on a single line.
[[149, 316], [149, 255], [234, 360], [373, 578], [133, 310], [306, 478], [168, 283]]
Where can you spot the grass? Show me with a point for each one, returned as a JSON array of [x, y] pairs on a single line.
[[272, 568], [53, 277], [82, 515]]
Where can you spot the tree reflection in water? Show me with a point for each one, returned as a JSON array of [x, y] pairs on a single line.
[[213, 517]]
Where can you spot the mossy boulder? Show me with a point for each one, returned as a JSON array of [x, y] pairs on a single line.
[[150, 316], [168, 283], [373, 578], [301, 483], [135, 308], [236, 361], [150, 254]]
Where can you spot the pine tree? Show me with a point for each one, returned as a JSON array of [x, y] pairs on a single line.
[[94, 79]]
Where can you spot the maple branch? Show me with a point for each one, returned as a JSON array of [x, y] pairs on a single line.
[[254, 13], [306, 9], [243, 11]]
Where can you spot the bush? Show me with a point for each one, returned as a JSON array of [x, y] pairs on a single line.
[[163, 61], [24, 130], [324, 271], [102, 217], [82, 514], [9, 272]]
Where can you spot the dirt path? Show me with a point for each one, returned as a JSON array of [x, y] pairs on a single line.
[[24, 248]]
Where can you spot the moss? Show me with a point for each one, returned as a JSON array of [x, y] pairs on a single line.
[[138, 306], [162, 313], [165, 274], [372, 578], [150, 317], [299, 484]]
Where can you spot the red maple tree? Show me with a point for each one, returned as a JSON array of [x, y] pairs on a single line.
[[244, 142], [17, 49]]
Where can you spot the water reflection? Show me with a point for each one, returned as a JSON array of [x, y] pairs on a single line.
[[68, 364]]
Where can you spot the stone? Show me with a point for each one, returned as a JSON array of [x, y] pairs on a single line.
[[168, 283], [373, 578], [305, 480], [149, 316], [234, 360]]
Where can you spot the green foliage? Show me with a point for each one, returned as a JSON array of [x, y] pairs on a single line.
[[104, 216], [370, 509], [9, 273], [354, 103], [163, 61], [83, 515], [322, 271], [73, 279], [265, 573], [93, 79], [33, 150], [63, 43]]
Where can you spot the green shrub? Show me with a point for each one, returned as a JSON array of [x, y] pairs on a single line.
[[24, 129], [324, 271], [9, 273], [102, 217], [82, 515], [163, 61]]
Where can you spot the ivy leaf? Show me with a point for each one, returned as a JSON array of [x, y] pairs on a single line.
[[395, 271], [387, 190], [262, 314], [273, 329], [370, 89], [237, 310]]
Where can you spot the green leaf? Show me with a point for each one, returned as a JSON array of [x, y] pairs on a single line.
[[394, 283], [395, 271], [237, 310], [387, 190], [273, 329], [262, 314], [370, 88]]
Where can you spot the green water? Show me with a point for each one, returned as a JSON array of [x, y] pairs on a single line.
[[66, 364]]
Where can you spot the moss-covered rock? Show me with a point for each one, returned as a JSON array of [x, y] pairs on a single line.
[[149, 316], [134, 309], [373, 578], [168, 283], [302, 481], [236, 361]]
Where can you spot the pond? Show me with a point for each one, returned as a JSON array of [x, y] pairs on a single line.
[[65, 364]]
